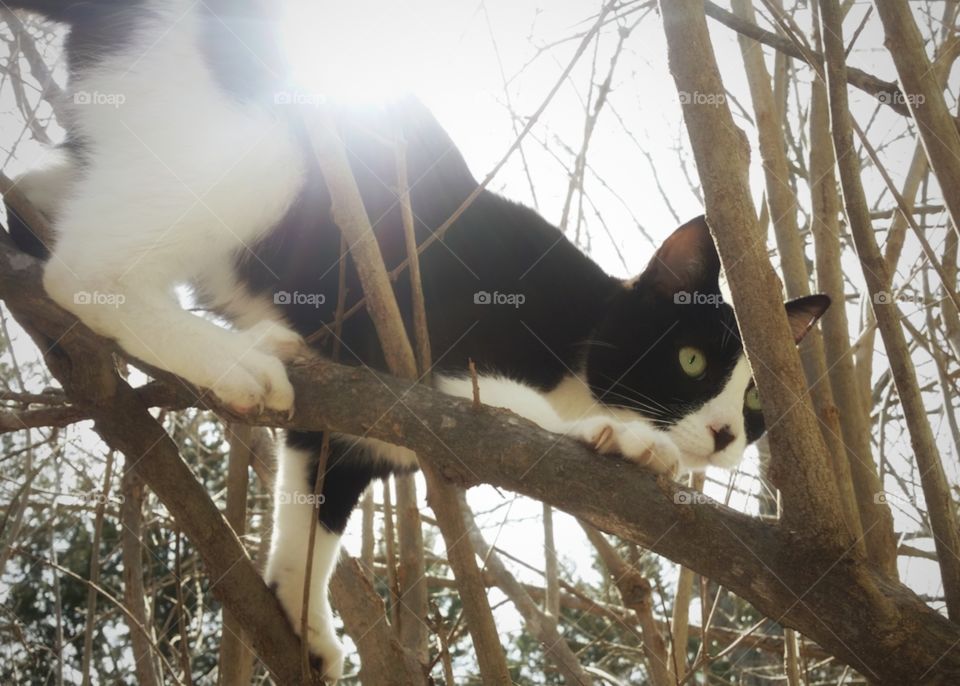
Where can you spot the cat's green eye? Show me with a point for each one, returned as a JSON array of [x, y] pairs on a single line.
[[752, 399], [693, 362]]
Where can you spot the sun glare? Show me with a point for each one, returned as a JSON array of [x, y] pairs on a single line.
[[353, 51]]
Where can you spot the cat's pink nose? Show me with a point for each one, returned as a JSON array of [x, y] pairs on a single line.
[[722, 437]]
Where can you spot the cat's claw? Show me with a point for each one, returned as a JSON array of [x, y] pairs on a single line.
[[254, 383], [602, 442], [635, 441]]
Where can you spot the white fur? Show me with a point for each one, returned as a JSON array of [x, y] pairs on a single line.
[[47, 187], [693, 434], [286, 566], [156, 205], [400, 457], [571, 409]]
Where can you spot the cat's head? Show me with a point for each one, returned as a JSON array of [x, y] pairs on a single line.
[[668, 348]]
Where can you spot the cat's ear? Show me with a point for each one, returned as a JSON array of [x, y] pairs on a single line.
[[687, 261], [803, 313]]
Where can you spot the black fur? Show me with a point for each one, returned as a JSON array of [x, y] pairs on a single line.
[[351, 467], [572, 315], [496, 246]]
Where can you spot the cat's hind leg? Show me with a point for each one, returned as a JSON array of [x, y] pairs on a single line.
[[47, 187], [351, 466]]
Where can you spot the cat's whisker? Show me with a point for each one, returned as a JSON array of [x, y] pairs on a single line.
[[634, 394], [650, 413], [634, 403]]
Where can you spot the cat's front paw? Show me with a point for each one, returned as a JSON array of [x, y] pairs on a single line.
[[634, 441], [278, 340], [254, 382]]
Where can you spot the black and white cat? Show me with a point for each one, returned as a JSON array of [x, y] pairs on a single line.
[[183, 166]]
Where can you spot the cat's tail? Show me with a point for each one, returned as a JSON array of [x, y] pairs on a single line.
[[66, 11]]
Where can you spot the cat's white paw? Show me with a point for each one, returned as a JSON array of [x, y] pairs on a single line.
[[325, 646], [321, 640], [254, 382], [278, 340], [634, 441]]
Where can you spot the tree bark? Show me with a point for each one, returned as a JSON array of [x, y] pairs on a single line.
[[134, 595], [886, 92], [541, 625], [782, 201], [875, 518]]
